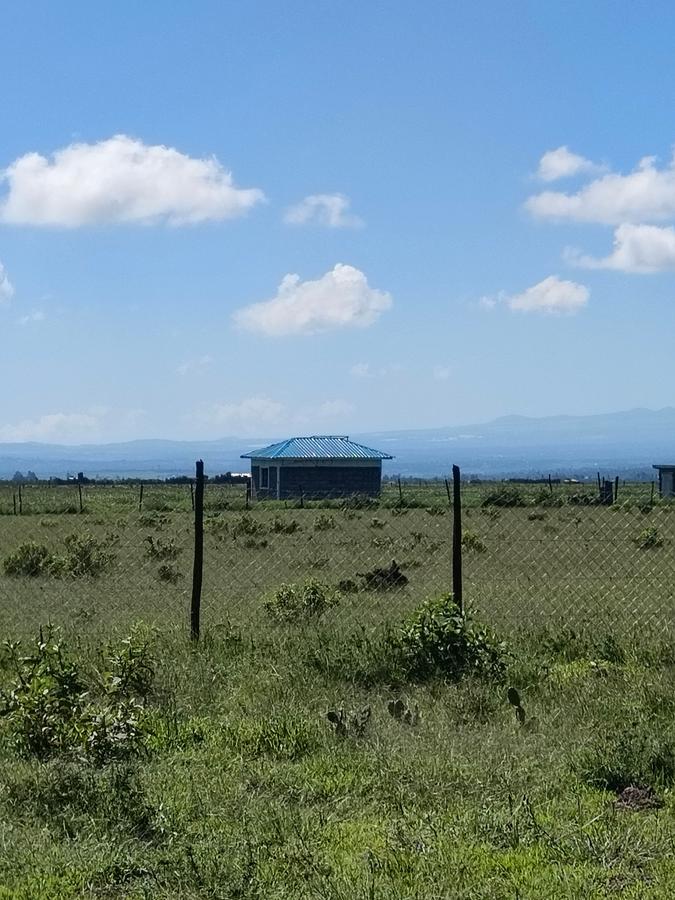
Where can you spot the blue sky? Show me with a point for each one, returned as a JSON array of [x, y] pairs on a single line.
[[263, 218]]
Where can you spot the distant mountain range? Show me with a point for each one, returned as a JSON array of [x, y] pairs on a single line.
[[623, 443]]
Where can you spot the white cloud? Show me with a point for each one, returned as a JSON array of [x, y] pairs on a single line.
[[647, 194], [341, 298], [36, 316], [55, 426], [195, 366], [361, 370], [330, 210], [6, 287], [562, 163], [331, 409], [552, 295], [442, 373], [120, 180], [637, 248], [250, 413], [259, 414]]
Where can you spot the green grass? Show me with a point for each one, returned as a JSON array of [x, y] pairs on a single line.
[[528, 565], [231, 780], [245, 790]]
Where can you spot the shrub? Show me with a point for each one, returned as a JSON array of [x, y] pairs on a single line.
[[168, 572], [293, 603], [50, 709], [160, 549], [472, 541], [282, 526], [30, 559], [377, 523], [504, 495], [324, 522], [649, 539], [438, 640], [85, 555], [247, 525]]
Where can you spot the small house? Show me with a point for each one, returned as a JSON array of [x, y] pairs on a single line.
[[315, 467], [666, 480]]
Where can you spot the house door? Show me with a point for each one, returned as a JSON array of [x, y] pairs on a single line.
[[273, 481]]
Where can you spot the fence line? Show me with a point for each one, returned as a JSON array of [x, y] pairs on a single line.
[[95, 556]]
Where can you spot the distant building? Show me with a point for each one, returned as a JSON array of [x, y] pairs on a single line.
[[666, 480], [314, 467]]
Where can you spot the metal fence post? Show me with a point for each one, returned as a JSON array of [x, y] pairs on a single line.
[[198, 565], [457, 541]]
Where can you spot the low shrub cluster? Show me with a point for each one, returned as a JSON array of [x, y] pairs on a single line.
[[83, 555], [297, 603], [52, 708]]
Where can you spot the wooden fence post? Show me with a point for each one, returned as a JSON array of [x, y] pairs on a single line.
[[198, 566], [447, 491], [20, 500], [79, 494], [14, 501], [140, 498], [457, 586], [400, 493], [192, 495]]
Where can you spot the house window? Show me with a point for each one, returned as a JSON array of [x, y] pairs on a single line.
[[264, 478]]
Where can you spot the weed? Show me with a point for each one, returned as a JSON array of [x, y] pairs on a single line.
[[169, 573], [284, 526], [248, 526], [504, 495], [296, 603], [649, 539], [29, 559], [324, 522], [161, 549], [473, 542]]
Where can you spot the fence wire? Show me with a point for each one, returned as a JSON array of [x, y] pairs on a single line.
[[98, 557]]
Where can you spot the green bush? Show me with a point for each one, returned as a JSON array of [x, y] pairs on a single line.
[[438, 640], [30, 559], [324, 522], [284, 526], [85, 555], [294, 603], [649, 539], [247, 526], [161, 549], [50, 710], [504, 495], [472, 541]]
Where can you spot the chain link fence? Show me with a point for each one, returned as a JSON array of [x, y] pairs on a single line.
[[98, 557]]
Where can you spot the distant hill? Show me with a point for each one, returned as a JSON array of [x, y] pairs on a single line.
[[624, 443]]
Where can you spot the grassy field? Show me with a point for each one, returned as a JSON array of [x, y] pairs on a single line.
[[327, 742], [530, 565], [233, 783]]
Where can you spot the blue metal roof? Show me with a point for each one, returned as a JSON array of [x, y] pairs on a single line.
[[318, 446]]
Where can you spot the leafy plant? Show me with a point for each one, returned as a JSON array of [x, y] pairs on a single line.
[[472, 541], [324, 522], [157, 548], [438, 640], [293, 603], [50, 710], [284, 526], [649, 538], [504, 495], [248, 526], [30, 559], [168, 572]]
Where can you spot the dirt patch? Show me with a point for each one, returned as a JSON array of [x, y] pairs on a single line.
[[637, 799]]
